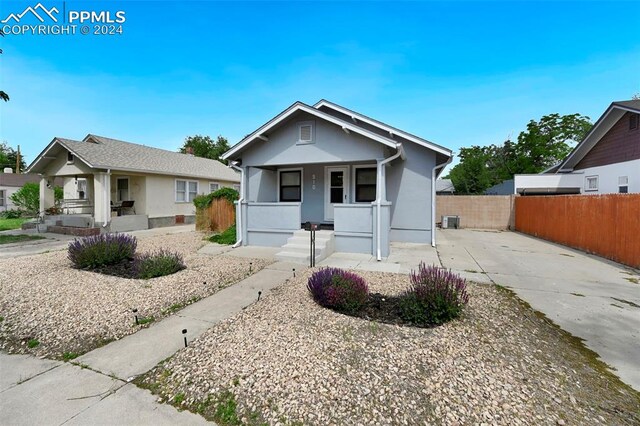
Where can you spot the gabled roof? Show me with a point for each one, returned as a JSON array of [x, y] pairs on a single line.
[[610, 117], [99, 152], [384, 127], [259, 134], [444, 185]]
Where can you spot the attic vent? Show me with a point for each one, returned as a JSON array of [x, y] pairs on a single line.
[[633, 121], [305, 132]]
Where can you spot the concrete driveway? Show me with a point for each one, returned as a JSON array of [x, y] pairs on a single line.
[[588, 296]]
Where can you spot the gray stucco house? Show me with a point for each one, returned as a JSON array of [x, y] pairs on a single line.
[[365, 182]]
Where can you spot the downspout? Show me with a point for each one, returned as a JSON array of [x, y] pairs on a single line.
[[107, 205], [433, 198], [399, 152], [232, 165]]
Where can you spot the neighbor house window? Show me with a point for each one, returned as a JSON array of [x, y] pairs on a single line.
[[82, 189], [305, 132], [591, 183], [186, 190], [291, 185], [633, 121], [365, 184], [3, 198], [236, 186], [69, 158], [213, 187], [623, 184]]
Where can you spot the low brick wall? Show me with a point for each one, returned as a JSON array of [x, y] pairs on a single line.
[[478, 211], [71, 230]]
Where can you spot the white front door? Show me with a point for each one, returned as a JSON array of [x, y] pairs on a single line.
[[336, 189]]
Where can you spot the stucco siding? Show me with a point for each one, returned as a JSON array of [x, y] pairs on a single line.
[[331, 145], [608, 177], [262, 185], [59, 167], [409, 190]]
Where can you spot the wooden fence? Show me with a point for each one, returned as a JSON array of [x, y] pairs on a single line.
[[606, 225], [217, 217]]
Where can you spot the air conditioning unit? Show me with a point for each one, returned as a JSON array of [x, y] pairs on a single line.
[[450, 222]]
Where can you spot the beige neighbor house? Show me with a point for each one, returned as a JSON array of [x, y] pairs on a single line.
[[114, 186]]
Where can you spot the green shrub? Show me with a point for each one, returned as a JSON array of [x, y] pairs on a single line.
[[228, 236], [101, 250], [435, 296], [158, 264], [12, 214], [204, 201]]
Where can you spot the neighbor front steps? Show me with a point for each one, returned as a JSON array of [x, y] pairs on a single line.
[[297, 248]]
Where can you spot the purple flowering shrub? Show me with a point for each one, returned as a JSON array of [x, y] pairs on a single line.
[[435, 296], [338, 289], [101, 250]]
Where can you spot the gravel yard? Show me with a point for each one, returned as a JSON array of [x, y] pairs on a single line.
[[60, 309], [285, 360]]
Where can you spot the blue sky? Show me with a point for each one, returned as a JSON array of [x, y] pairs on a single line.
[[457, 73]]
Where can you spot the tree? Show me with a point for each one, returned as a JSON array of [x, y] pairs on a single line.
[[8, 157], [546, 142], [472, 174], [204, 146], [27, 198], [3, 95]]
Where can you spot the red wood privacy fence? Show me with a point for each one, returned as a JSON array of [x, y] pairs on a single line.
[[606, 225], [217, 217]]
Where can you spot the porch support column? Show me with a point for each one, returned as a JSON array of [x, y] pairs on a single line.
[[47, 199], [102, 198]]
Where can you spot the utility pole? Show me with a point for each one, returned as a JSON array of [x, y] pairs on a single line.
[[18, 161]]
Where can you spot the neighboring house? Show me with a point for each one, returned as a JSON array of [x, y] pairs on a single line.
[[122, 186], [505, 187], [364, 181], [11, 182], [444, 187], [606, 161]]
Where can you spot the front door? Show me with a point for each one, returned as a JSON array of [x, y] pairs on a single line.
[[336, 189]]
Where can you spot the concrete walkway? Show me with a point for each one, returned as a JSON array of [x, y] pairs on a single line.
[[44, 392], [588, 296], [54, 242]]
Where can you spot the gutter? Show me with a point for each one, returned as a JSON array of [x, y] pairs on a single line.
[[232, 164], [433, 198], [381, 163]]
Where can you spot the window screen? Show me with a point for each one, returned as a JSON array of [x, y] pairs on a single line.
[[291, 186], [366, 184]]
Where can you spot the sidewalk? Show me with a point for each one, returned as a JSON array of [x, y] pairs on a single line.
[[96, 390]]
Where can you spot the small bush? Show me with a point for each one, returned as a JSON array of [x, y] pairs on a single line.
[[158, 264], [204, 201], [101, 250], [228, 236], [435, 296], [338, 289], [12, 214]]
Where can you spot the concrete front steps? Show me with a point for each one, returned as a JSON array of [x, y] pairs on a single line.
[[297, 248]]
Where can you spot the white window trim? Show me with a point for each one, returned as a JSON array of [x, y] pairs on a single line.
[[313, 132], [215, 183], [586, 183], [292, 169], [353, 179], [186, 190], [128, 188], [238, 187], [73, 157], [86, 188]]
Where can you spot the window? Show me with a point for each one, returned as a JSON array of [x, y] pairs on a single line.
[[3, 198], [291, 185], [633, 121], [365, 184], [236, 186], [82, 189], [186, 190], [305, 132], [69, 158], [591, 183], [623, 184], [213, 187], [122, 189]]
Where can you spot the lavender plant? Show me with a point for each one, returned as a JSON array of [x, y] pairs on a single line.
[[435, 296], [101, 250], [338, 289]]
